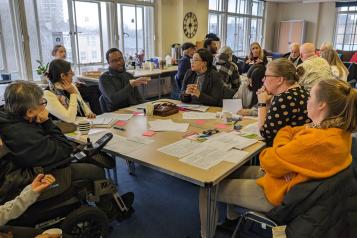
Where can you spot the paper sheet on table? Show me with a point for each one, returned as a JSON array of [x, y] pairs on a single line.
[[235, 156], [232, 105], [198, 115], [227, 141], [109, 119], [251, 129], [204, 157], [118, 144], [193, 107], [180, 148], [141, 139], [168, 125]]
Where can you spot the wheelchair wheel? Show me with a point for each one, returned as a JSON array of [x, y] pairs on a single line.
[[86, 222]]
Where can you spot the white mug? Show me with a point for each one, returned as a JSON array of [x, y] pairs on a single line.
[[84, 127]]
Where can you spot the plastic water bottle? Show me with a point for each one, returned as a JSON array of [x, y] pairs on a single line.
[[168, 60]]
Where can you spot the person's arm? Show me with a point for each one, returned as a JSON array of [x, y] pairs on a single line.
[[301, 154], [216, 93], [86, 109], [277, 116], [186, 97], [113, 95], [55, 107], [235, 79], [14, 208]]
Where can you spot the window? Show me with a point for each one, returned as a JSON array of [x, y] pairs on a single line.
[[345, 30], [87, 28], [237, 22], [136, 29], [9, 60]]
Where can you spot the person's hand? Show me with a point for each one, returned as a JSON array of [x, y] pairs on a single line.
[[288, 177], [244, 112], [42, 116], [193, 90], [263, 95], [41, 182], [258, 61], [69, 87], [91, 115], [139, 81], [48, 236], [249, 61]]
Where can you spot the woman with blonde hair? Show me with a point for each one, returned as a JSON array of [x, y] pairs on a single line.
[[256, 56], [338, 69], [314, 151]]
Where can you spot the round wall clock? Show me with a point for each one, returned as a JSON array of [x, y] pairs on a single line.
[[190, 25]]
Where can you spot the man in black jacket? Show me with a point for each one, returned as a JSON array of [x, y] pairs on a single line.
[[118, 87]]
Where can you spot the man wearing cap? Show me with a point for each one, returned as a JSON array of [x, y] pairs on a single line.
[[184, 64]]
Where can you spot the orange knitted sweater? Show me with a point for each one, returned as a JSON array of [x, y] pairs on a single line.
[[310, 153]]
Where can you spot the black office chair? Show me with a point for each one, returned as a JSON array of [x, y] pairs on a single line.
[[302, 204]]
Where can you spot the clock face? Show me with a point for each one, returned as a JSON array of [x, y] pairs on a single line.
[[190, 25]]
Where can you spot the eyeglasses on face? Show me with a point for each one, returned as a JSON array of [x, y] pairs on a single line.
[[272, 76], [116, 60], [43, 102]]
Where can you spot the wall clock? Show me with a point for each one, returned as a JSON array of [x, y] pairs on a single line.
[[190, 25]]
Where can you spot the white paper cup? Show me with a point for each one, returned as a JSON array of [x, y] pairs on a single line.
[[54, 231], [84, 127], [149, 108]]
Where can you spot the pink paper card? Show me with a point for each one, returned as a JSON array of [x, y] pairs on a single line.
[[120, 123], [137, 113], [149, 133], [200, 122], [221, 126]]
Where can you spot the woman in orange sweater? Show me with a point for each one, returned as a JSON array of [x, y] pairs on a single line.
[[317, 150]]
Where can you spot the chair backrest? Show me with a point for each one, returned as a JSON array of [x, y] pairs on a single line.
[[354, 149], [103, 104]]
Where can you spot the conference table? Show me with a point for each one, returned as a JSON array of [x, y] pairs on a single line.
[[155, 73], [148, 155]]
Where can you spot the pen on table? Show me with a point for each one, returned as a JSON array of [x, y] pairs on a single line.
[[119, 128]]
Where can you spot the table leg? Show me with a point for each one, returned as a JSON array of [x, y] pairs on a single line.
[[131, 167], [159, 78], [212, 193]]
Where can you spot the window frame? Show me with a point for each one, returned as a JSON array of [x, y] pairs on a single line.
[[354, 29], [225, 14]]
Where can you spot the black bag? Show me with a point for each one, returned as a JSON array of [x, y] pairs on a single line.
[[255, 225]]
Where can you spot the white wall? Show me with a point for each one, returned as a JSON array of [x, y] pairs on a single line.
[[320, 19], [170, 14]]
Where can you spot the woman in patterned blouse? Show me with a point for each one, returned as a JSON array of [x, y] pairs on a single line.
[[281, 101]]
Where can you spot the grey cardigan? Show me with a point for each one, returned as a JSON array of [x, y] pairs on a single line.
[[14, 208]]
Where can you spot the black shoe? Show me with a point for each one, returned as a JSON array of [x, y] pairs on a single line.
[[128, 199], [228, 225]]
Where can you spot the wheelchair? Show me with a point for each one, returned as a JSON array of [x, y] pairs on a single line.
[[71, 205]]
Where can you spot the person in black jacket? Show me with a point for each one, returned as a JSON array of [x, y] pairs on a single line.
[[118, 87], [256, 56], [202, 84], [31, 138], [185, 62]]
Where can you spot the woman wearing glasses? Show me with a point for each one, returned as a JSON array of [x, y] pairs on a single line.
[[202, 84], [281, 101], [63, 98]]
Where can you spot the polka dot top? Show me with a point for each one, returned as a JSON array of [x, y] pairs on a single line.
[[287, 109]]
